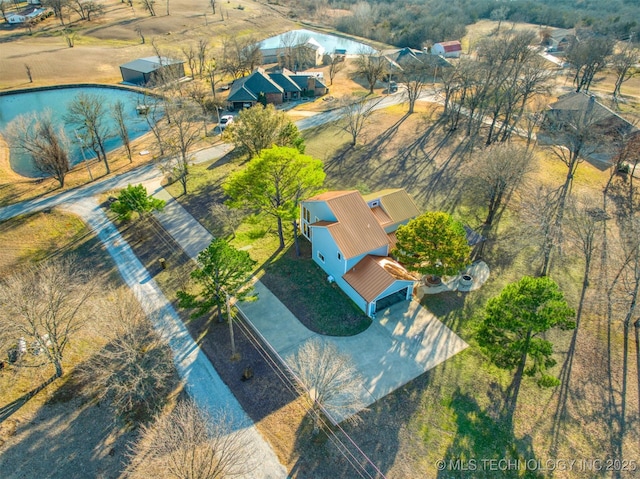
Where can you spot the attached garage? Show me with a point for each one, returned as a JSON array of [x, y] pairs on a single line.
[[392, 299], [380, 281]]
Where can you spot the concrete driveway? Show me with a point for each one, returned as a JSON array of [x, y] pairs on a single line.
[[405, 341]]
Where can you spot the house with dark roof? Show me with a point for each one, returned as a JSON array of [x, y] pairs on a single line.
[[246, 91], [351, 237], [145, 70], [451, 49], [580, 108], [399, 59], [557, 39], [276, 88]]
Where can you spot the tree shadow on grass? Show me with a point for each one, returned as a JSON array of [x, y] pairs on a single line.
[[484, 446], [67, 435], [302, 286], [11, 408], [368, 449]]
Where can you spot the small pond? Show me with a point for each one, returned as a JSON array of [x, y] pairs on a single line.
[[56, 100], [330, 43]]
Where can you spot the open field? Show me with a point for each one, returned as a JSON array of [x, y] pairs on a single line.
[[58, 425]]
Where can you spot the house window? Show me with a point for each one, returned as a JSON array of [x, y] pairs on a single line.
[[339, 255], [375, 203], [306, 215], [320, 256]]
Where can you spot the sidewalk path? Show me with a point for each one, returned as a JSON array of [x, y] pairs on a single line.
[[202, 381]]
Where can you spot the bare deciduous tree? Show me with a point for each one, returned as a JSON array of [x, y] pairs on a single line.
[[354, 115], [336, 66], [46, 304], [59, 8], [497, 172], [588, 56], [135, 369], [48, 146], [118, 112], [371, 67], [28, 70], [190, 443], [202, 50], [180, 134], [329, 379], [240, 55], [149, 6], [414, 76], [575, 137], [190, 55], [138, 30], [88, 113], [623, 64]]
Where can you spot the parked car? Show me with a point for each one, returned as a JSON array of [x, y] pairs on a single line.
[[225, 120]]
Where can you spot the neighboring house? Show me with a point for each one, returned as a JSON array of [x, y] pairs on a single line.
[[245, 92], [400, 57], [574, 108], [558, 39], [300, 52], [26, 15], [276, 87], [351, 237], [451, 49], [144, 70]]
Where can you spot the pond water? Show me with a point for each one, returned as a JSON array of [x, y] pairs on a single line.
[[329, 42], [56, 100]]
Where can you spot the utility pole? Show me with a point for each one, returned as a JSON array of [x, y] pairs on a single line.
[[234, 354]]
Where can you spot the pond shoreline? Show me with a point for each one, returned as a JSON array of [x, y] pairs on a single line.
[[34, 89], [41, 98]]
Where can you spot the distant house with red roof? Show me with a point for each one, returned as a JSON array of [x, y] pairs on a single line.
[[451, 49], [351, 237]]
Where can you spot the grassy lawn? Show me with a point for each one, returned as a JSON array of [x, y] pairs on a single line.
[[58, 422], [303, 288], [298, 282]]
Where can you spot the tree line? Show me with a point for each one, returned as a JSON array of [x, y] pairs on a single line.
[[418, 23]]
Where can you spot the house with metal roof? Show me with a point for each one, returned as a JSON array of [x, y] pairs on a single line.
[[351, 237], [145, 70]]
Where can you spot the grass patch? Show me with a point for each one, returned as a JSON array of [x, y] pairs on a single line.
[[303, 288]]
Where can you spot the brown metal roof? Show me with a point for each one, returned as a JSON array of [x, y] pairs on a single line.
[[396, 203], [373, 274], [392, 240], [381, 216], [356, 231], [328, 195], [399, 206], [323, 223]]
